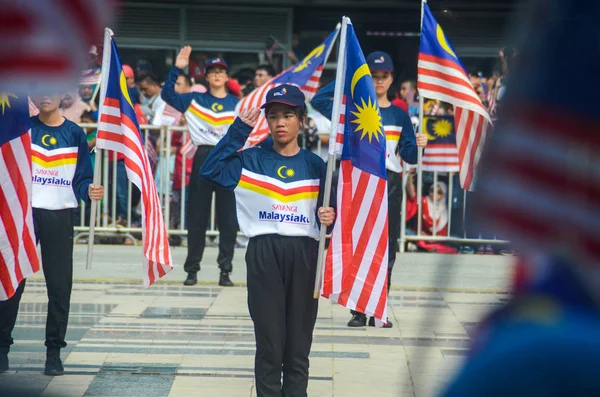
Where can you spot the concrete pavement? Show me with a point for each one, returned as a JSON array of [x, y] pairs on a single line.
[[170, 340]]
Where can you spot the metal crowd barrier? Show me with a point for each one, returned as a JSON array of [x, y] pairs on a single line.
[[107, 209], [461, 238]]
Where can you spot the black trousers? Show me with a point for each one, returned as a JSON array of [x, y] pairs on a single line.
[[281, 277], [394, 218], [54, 232], [198, 217]]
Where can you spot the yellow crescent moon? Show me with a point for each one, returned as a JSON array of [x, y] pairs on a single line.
[[124, 89], [216, 107], [313, 54], [44, 140], [359, 74], [442, 40], [279, 172]]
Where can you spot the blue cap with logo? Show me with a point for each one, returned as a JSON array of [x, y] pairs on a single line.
[[286, 94], [215, 62], [380, 60]]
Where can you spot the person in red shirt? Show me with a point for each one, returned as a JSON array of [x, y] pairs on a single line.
[[434, 217]]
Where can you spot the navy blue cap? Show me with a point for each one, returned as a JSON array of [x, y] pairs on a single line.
[[215, 62], [380, 60], [287, 94]]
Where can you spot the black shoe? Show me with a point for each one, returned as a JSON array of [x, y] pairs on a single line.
[[358, 320], [3, 362], [224, 280], [54, 366], [389, 324], [192, 279]]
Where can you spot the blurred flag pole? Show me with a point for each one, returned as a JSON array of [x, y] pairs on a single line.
[[340, 80], [420, 129], [97, 164]]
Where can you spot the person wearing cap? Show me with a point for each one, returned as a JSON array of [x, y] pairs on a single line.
[[134, 94], [278, 187], [208, 117], [401, 140]]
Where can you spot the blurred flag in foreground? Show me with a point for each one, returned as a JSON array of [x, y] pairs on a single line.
[[542, 169], [44, 43], [18, 255]]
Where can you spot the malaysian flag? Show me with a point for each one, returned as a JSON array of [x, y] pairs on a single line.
[[441, 154], [118, 130], [443, 77], [305, 74], [541, 184], [43, 43], [188, 149], [355, 271], [18, 255]]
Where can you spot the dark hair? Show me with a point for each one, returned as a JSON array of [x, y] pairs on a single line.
[[187, 78], [244, 75], [248, 89], [267, 68], [149, 78], [88, 115]]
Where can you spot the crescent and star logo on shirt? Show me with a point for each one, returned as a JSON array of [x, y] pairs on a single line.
[[216, 107], [285, 172], [45, 140]]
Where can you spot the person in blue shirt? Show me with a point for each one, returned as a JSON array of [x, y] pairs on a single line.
[[278, 188], [62, 176], [544, 342], [402, 144], [208, 117]]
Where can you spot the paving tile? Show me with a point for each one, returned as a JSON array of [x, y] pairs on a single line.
[[68, 386], [171, 340], [130, 386]]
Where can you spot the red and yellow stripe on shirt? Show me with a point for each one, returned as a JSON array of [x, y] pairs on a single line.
[[212, 118], [270, 187], [392, 132], [53, 158]]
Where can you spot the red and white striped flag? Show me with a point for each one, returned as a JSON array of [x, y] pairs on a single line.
[[442, 76], [305, 74], [540, 182], [118, 130], [355, 272], [188, 149], [18, 256], [44, 43]]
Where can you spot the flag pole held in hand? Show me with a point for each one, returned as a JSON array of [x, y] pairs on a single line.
[[337, 103], [97, 164]]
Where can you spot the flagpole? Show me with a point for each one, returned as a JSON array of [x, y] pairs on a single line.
[[335, 117], [420, 149], [97, 164]]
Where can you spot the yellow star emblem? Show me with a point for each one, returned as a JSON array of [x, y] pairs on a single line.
[[5, 100], [368, 119]]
